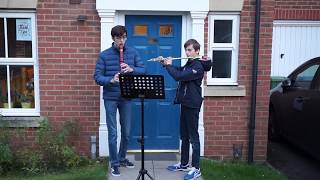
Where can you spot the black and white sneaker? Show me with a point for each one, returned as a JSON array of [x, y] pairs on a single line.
[[115, 171], [178, 167], [126, 163]]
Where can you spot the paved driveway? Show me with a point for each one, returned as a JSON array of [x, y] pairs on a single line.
[[296, 165]]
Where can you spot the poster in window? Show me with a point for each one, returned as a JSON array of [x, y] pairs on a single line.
[[23, 28]]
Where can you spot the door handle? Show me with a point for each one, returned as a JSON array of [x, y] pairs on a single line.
[[152, 40], [301, 99]]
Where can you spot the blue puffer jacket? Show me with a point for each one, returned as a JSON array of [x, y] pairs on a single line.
[[190, 78], [108, 65]]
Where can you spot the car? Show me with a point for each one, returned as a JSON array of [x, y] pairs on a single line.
[[294, 112]]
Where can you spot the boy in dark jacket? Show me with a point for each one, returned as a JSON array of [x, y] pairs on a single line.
[[119, 58], [189, 96]]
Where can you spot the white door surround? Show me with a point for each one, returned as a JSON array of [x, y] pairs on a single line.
[[112, 14]]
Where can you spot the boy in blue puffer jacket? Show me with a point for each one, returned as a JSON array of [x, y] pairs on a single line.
[[119, 58], [189, 96]]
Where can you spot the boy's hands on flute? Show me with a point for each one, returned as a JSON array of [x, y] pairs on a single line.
[[165, 61], [168, 61]]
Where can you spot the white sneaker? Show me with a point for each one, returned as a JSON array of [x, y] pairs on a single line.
[[193, 174]]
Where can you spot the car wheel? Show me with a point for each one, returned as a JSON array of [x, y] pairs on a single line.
[[273, 134]]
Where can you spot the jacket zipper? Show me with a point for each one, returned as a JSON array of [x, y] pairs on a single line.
[[185, 91]]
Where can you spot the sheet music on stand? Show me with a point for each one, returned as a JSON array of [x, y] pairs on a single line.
[[142, 86]]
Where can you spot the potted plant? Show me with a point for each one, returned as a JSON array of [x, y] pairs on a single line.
[[26, 100], [4, 101]]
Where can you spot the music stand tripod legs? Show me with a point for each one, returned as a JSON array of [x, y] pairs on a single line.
[[142, 171]]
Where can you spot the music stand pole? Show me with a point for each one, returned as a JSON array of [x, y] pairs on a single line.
[[142, 171]]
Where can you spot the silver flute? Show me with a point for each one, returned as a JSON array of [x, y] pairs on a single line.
[[158, 59]]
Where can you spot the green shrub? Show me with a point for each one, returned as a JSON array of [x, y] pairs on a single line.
[[53, 146], [5, 158], [71, 159], [51, 152], [28, 162]]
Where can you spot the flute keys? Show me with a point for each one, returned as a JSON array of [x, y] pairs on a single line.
[[160, 58]]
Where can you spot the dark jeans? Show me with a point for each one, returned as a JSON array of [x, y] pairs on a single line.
[[124, 108], [189, 120]]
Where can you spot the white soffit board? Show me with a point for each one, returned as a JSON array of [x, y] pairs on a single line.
[[147, 5]]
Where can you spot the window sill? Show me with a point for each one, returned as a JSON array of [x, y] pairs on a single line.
[[21, 121], [224, 91]]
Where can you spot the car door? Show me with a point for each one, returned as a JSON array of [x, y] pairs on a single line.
[[302, 99], [309, 118]]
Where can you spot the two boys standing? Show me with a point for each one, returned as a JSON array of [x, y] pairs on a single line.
[[190, 76]]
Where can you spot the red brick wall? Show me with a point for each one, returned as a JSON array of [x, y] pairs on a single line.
[[21, 138], [297, 10], [67, 54], [226, 118]]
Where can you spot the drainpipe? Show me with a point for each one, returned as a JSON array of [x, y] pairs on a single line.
[[252, 122], [93, 147]]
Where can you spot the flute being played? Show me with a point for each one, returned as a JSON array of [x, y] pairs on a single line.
[[160, 58]]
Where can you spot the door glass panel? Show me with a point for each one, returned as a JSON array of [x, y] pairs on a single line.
[[223, 31], [304, 79], [19, 37], [166, 30], [2, 50], [221, 64], [140, 30], [3, 87], [22, 86]]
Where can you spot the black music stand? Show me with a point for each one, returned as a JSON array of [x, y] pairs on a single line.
[[143, 87]]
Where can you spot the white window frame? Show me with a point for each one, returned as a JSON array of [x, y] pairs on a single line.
[[33, 61], [233, 47]]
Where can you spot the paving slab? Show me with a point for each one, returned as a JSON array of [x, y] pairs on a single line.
[[156, 169]]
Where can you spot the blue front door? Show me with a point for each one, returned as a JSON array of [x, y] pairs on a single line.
[[155, 36]]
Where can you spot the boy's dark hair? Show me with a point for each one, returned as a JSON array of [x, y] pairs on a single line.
[[118, 31], [195, 44]]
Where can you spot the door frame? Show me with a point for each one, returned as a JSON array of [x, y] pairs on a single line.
[[189, 23]]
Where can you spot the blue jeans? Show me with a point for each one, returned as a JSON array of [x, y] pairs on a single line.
[[125, 123], [189, 120]]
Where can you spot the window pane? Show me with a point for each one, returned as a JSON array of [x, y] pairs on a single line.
[[2, 50], [166, 30], [221, 64], [22, 86], [304, 79], [140, 30], [223, 31], [3, 87], [19, 37]]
